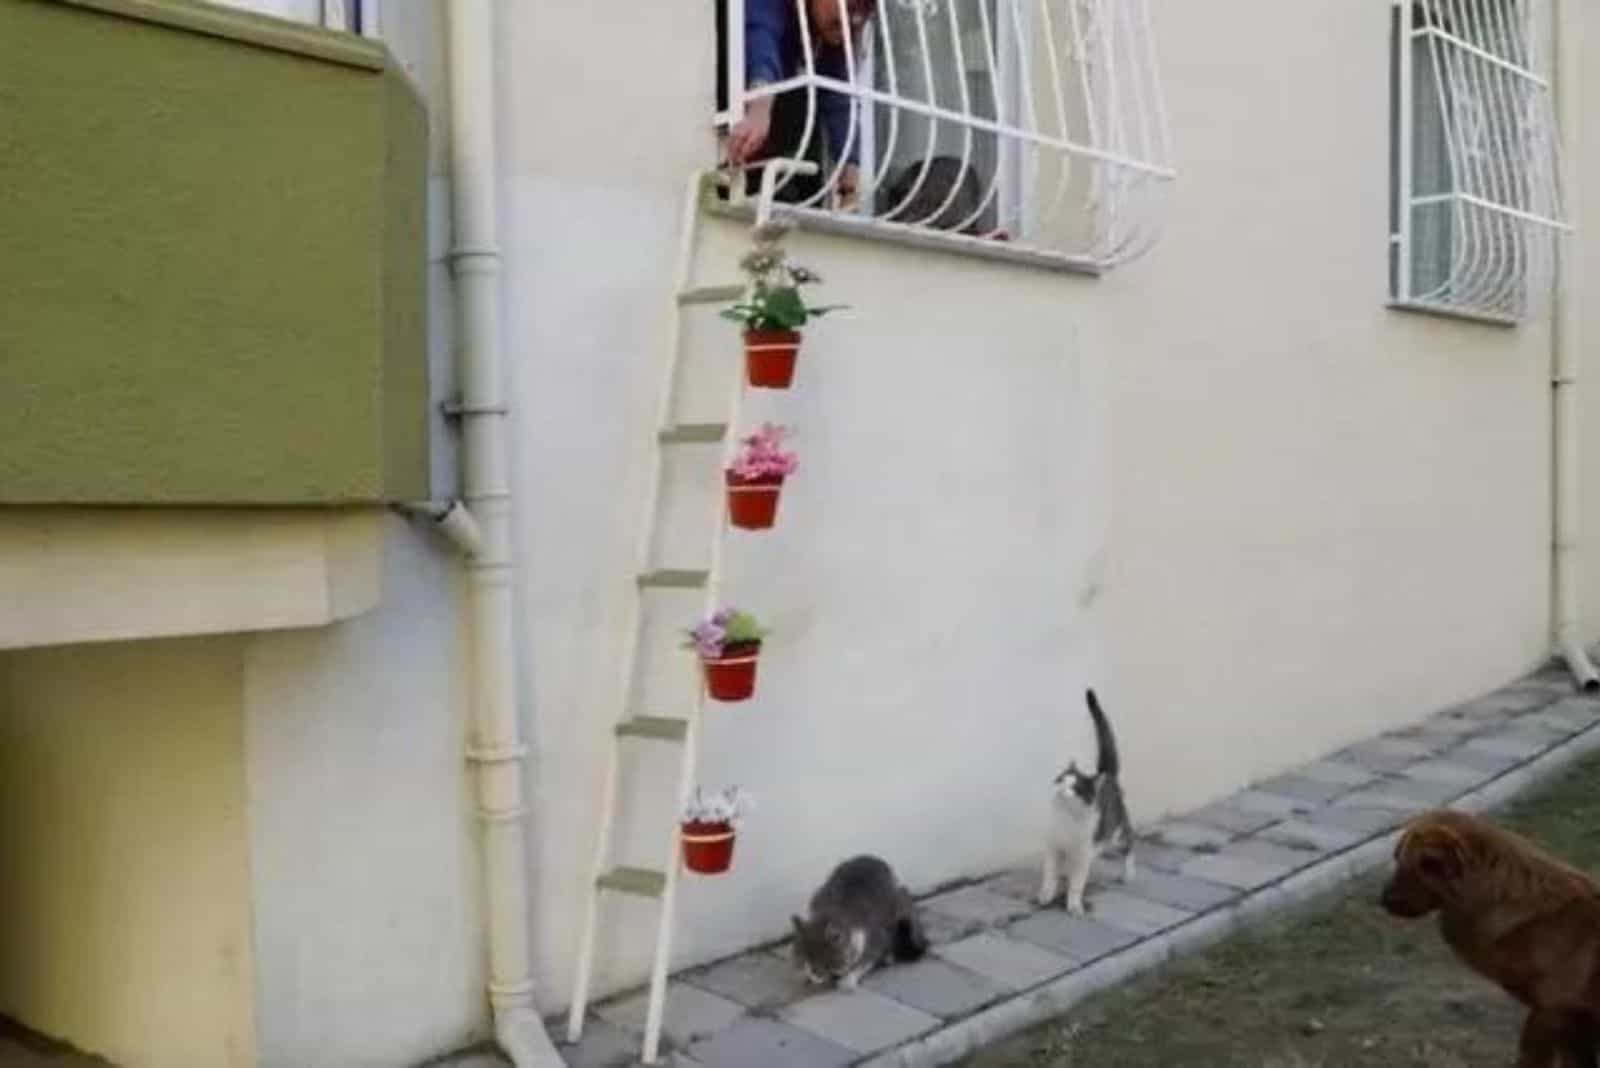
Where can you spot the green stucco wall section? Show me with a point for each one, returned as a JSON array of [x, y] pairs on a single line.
[[212, 260]]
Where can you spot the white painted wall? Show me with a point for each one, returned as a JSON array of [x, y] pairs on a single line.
[[367, 945], [1586, 200], [1327, 517], [922, 583]]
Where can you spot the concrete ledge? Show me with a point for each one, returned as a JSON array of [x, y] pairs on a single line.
[[78, 575]]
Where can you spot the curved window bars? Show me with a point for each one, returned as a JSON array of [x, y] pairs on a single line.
[[1035, 121], [1475, 177]]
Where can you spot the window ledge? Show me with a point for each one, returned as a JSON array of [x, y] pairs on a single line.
[[1445, 311], [812, 220]]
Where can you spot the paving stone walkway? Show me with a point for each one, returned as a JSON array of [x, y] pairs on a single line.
[[995, 950]]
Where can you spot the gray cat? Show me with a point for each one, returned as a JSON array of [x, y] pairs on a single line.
[[860, 918], [944, 172], [1088, 815]]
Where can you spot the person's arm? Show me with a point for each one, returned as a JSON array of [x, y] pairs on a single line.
[[764, 22], [835, 110]]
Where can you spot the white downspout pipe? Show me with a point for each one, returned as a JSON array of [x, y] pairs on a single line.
[[1565, 359], [483, 531]]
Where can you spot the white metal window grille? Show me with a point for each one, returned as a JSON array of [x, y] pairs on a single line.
[[1475, 174], [351, 16], [1040, 122]]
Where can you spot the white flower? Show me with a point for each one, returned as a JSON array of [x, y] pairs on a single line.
[[727, 805]]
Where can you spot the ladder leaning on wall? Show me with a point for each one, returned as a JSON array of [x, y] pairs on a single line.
[[660, 884]]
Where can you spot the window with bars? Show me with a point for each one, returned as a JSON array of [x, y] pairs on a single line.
[[1476, 206], [1033, 121]]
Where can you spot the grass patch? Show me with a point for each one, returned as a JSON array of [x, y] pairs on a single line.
[[1338, 983]]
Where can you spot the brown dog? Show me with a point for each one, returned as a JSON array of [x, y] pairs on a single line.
[[1516, 916]]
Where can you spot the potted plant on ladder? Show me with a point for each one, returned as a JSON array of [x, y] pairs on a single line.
[[755, 478], [773, 310], [729, 645], [709, 826]]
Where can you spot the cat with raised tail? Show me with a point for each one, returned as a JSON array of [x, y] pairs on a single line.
[[1087, 817], [860, 917]]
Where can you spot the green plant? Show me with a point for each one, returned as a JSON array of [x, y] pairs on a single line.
[[774, 300], [727, 626]]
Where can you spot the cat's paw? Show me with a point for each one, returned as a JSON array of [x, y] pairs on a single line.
[[1076, 906], [1046, 898]]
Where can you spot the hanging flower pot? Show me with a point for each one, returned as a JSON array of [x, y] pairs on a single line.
[[731, 676], [773, 311], [729, 645], [755, 478], [753, 505], [769, 357], [709, 825], [708, 847]]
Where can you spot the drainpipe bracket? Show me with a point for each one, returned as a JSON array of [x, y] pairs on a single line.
[[503, 754]]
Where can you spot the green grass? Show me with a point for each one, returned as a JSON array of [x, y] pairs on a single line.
[[1339, 984]]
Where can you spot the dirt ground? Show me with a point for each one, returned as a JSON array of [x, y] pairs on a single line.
[[1337, 985]]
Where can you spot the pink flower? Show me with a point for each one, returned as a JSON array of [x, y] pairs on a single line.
[[762, 457]]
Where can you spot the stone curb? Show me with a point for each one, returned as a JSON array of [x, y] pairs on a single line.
[[1050, 999]]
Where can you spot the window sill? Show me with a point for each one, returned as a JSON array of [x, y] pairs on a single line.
[[814, 221], [1445, 311]]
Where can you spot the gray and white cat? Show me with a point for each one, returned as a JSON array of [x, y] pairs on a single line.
[[860, 917], [1087, 816]]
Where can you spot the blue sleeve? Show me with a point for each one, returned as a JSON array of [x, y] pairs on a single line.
[[764, 22], [836, 107]]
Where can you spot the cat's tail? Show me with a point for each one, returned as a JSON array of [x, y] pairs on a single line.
[[910, 940], [1110, 762]]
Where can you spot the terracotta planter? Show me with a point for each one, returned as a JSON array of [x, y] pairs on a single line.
[[769, 357], [753, 505], [732, 676], [708, 847]]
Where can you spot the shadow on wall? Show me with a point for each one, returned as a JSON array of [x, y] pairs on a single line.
[[22, 1048]]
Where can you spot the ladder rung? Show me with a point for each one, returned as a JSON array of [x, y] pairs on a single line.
[[639, 881], [693, 434], [661, 728], [711, 294], [673, 579]]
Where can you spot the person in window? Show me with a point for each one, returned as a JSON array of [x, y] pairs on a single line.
[[772, 126]]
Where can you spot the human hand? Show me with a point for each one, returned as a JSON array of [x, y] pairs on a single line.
[[749, 134], [844, 189]]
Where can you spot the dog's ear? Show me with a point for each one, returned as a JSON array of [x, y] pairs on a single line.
[[1442, 855]]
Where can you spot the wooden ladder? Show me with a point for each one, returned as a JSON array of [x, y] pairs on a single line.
[[660, 884]]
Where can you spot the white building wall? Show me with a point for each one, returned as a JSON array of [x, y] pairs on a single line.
[[364, 867], [1327, 517]]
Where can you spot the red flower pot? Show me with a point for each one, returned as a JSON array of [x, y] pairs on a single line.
[[753, 504], [769, 357], [732, 676], [708, 847]]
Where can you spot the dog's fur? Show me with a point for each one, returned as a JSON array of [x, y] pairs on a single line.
[[1515, 915]]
